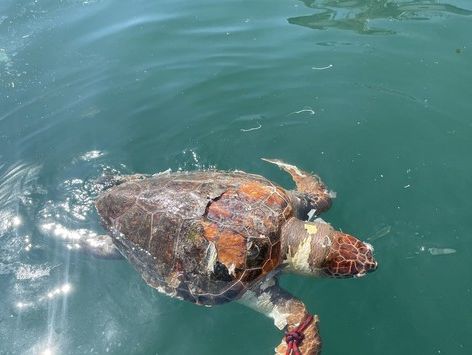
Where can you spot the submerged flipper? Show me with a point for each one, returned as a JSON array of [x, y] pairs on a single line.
[[290, 314]]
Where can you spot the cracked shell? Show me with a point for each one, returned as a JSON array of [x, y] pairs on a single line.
[[201, 236]]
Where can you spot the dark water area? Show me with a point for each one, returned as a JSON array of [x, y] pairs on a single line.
[[373, 95]]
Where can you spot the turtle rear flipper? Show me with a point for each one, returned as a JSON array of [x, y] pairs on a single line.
[[311, 191]]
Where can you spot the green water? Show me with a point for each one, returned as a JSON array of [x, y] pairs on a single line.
[[375, 96]]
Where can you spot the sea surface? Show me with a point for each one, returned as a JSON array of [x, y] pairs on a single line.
[[373, 95]]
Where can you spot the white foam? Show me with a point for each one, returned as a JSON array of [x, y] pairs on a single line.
[[32, 272], [93, 154]]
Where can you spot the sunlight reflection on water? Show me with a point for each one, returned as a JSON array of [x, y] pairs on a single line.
[[33, 220]]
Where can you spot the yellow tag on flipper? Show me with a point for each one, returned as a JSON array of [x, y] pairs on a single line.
[[311, 228]]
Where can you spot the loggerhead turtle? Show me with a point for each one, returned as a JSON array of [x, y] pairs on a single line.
[[211, 237]]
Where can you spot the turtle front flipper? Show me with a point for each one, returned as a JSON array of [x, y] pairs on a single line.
[[289, 314], [312, 196]]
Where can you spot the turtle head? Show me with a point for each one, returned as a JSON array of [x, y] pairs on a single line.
[[348, 257], [315, 248]]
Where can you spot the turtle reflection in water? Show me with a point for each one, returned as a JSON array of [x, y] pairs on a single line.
[[211, 237]]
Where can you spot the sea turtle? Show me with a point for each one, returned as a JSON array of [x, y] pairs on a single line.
[[210, 237]]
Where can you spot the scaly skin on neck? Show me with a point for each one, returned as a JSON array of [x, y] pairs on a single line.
[[316, 249], [305, 245]]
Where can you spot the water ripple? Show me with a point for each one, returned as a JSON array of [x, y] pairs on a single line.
[[360, 16]]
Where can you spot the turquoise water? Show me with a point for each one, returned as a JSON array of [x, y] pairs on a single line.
[[375, 96]]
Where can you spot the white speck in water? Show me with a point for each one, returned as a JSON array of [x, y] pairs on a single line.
[[406, 186], [194, 156]]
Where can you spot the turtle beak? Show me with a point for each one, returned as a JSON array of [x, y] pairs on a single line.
[[371, 264]]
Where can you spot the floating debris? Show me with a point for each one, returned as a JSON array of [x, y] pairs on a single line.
[[382, 232], [323, 68], [309, 110], [251, 129], [441, 251]]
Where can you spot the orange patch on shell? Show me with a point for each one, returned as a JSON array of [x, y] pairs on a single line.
[[254, 191], [218, 211], [231, 249], [210, 230]]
